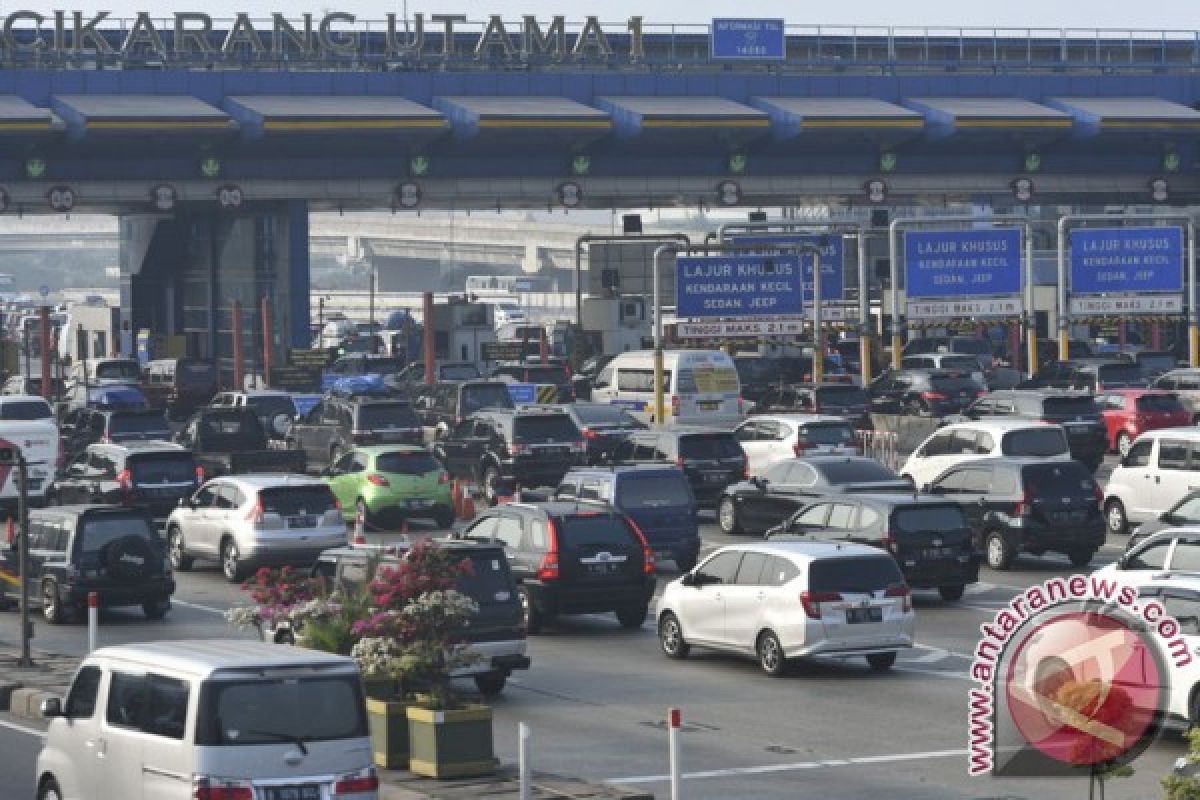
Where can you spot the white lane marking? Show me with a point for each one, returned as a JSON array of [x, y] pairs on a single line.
[[937, 673], [941, 652], [206, 609], [12, 726], [793, 767]]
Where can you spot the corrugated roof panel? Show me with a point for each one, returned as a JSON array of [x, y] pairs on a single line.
[[989, 113], [794, 115], [18, 115], [498, 112], [1135, 114], [325, 113]]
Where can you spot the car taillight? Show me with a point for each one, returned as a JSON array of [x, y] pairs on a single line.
[[934, 397], [125, 480], [647, 554], [679, 461], [255, 514], [741, 405], [811, 601], [1098, 493], [1025, 507], [443, 477], [980, 392], [889, 541], [217, 789], [901, 590], [518, 449], [375, 479], [357, 782], [674, 405], [199, 474], [548, 569], [588, 433], [801, 445]]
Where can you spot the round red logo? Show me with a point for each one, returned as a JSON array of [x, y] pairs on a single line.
[[1084, 688]]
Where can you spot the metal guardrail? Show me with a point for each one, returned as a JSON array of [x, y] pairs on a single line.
[[881, 446]]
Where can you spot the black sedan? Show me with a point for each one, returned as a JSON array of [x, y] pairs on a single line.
[[757, 504], [604, 426]]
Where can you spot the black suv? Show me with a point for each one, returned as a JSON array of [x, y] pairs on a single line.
[[926, 392], [1096, 374], [88, 425], [604, 426], [844, 400], [572, 558], [711, 459], [1026, 505], [335, 425], [503, 449], [446, 404], [758, 374], [151, 475], [1077, 413], [112, 551], [496, 631], [929, 537]]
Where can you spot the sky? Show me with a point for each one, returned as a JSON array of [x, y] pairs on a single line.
[[1121, 14]]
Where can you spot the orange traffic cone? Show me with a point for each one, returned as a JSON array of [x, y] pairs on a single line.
[[360, 529], [456, 497]]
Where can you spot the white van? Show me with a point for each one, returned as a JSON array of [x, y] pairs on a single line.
[[701, 387], [209, 718], [25, 424], [1161, 467]]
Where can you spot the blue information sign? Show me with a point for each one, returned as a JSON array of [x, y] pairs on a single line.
[[833, 260], [737, 285], [1126, 260], [749, 39], [978, 263]]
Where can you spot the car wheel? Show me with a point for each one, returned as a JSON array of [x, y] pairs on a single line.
[[670, 637], [880, 662], [1124, 442], [1114, 517], [632, 618], [529, 612], [52, 608], [1000, 553], [490, 684], [156, 609], [727, 516], [180, 560], [491, 477], [231, 563], [951, 593], [1081, 557], [48, 790], [770, 654]]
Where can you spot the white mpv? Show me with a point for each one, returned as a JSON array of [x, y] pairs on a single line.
[[769, 438], [779, 600], [985, 438], [1160, 468], [192, 720]]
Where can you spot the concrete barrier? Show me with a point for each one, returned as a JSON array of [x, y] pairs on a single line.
[[27, 702], [910, 430]]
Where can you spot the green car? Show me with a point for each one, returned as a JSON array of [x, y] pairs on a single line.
[[391, 483]]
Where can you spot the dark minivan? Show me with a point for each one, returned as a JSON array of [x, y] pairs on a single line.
[[849, 402], [150, 475], [179, 385], [710, 459], [930, 538], [1076, 412], [1019, 505]]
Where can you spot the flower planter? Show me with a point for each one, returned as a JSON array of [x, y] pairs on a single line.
[[389, 733], [451, 744], [380, 688]]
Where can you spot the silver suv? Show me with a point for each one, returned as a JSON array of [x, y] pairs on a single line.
[[248, 521]]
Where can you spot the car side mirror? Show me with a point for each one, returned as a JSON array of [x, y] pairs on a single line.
[[936, 490], [1121, 562], [688, 579], [759, 482], [983, 502], [52, 707]]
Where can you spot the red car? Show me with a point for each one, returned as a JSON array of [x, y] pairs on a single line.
[[1128, 413]]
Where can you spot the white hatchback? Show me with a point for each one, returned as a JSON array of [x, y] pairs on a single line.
[[985, 438], [770, 438], [1161, 467], [779, 600]]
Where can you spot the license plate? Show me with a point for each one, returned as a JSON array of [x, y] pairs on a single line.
[[855, 616], [1068, 516], [930, 553], [309, 791], [551, 451], [603, 569], [420, 502], [714, 477], [307, 521], [708, 406]]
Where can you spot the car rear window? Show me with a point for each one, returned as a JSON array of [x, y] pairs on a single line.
[[1066, 479], [855, 471], [548, 374], [596, 530], [488, 581], [485, 396], [953, 385], [922, 519], [653, 490], [545, 428], [830, 433], [162, 467], [841, 396], [709, 445], [291, 501], [1119, 373], [458, 372], [605, 415], [1070, 407], [964, 363], [1034, 442], [976, 347], [195, 373], [1155, 362], [854, 574], [280, 711], [118, 371], [26, 410], [150, 424], [271, 406], [99, 531], [381, 416], [406, 463], [1159, 402]]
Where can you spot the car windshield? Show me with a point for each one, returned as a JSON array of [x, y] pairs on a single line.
[[976, 347], [271, 405], [1112, 374], [1159, 402], [1034, 442], [281, 710], [953, 385], [596, 530], [854, 574], [605, 416], [118, 371], [25, 410], [100, 531], [841, 396], [291, 501], [175, 467], [709, 445], [922, 519], [854, 471], [827, 434], [458, 372], [488, 581], [381, 416], [757, 370], [545, 428], [653, 490], [151, 425], [964, 363], [549, 374], [402, 462], [1062, 479], [232, 427], [1155, 362], [1070, 407], [488, 395]]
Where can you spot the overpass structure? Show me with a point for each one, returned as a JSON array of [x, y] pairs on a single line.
[[213, 139]]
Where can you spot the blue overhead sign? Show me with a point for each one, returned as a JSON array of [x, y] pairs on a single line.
[[1126, 260], [748, 39], [833, 260], [976, 263], [737, 285]]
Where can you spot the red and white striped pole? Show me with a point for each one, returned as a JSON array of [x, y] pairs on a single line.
[[93, 619], [675, 718]]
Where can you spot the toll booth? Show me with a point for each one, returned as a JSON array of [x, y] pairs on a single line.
[[460, 329]]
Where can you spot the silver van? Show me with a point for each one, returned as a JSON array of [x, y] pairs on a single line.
[[212, 718]]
